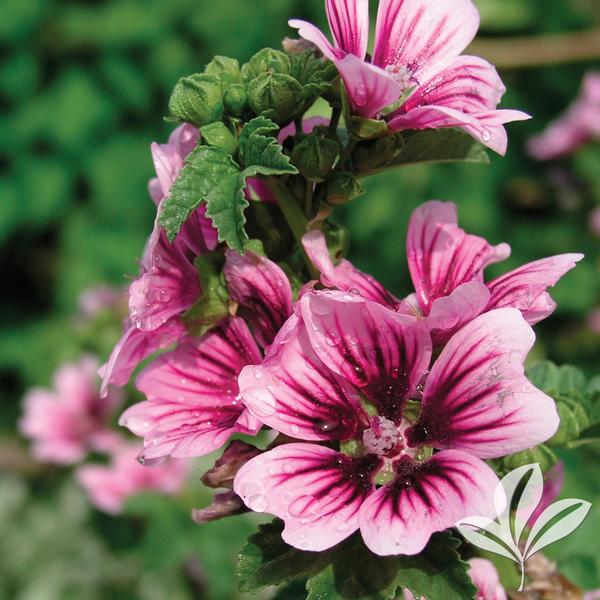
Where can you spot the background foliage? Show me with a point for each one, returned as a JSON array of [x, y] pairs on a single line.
[[83, 87]]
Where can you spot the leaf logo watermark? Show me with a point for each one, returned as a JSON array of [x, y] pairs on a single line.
[[518, 532]]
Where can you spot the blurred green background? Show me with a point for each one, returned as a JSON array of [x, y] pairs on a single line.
[[83, 88]]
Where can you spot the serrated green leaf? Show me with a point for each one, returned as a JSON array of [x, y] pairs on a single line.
[[205, 168], [267, 560], [351, 572], [225, 207], [260, 153], [213, 305], [418, 147]]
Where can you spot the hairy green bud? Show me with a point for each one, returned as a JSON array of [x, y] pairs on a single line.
[[197, 99]]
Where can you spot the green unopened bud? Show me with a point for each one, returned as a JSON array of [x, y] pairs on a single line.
[[573, 420], [224, 68], [236, 100], [266, 60], [315, 156], [197, 99], [275, 96], [366, 129], [343, 187], [218, 135]]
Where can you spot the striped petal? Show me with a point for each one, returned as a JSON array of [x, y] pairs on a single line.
[[317, 492], [477, 398], [349, 23], [399, 518]]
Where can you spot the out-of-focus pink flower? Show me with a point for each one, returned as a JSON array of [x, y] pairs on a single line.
[[595, 221], [594, 595], [168, 283], [109, 486], [94, 300], [417, 63], [70, 420], [553, 483], [447, 266], [594, 321], [578, 126], [486, 579], [339, 353]]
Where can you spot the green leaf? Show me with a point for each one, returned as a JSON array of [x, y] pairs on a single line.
[[540, 454], [205, 168], [213, 305], [225, 207], [267, 560], [354, 573], [260, 152], [573, 420], [351, 572], [220, 136], [197, 99], [429, 146], [210, 176]]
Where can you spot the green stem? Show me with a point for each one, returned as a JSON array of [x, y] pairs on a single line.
[[336, 113], [347, 153], [294, 217], [308, 201]]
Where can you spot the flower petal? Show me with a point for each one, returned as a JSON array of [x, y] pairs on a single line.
[[477, 397], [486, 578], [399, 518], [295, 393], [345, 276], [133, 348], [376, 349], [423, 36], [525, 287], [262, 290], [470, 84], [369, 88], [192, 404], [349, 23], [450, 313], [314, 35], [315, 490], [441, 256]]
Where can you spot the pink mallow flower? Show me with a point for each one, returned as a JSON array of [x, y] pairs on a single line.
[[486, 580], [416, 77], [577, 127], [67, 422], [193, 404], [168, 283], [109, 486], [338, 378], [447, 269]]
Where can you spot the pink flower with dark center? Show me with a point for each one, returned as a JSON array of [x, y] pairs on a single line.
[[168, 283], [67, 422], [109, 486], [338, 378], [486, 579], [416, 77], [447, 269], [577, 127]]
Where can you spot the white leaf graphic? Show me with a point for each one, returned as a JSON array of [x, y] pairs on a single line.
[[470, 528], [558, 530]]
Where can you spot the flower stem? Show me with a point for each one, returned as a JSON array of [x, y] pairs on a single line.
[[308, 201], [294, 217], [336, 113], [347, 153]]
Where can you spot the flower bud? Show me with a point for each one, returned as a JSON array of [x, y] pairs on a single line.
[[343, 187], [197, 99], [224, 68], [236, 100], [315, 156], [275, 96], [266, 60]]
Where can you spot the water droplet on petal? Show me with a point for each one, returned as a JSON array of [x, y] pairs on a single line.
[[258, 503]]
